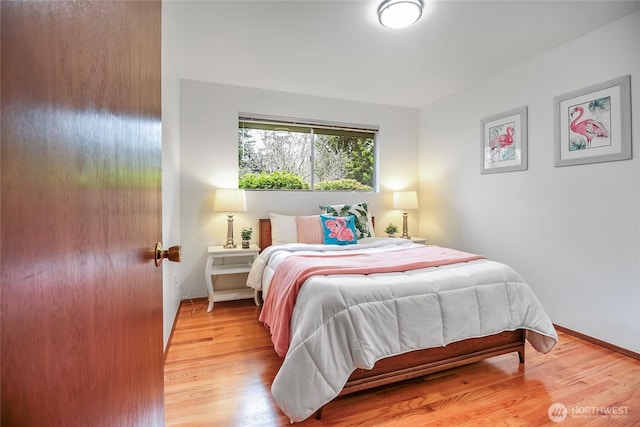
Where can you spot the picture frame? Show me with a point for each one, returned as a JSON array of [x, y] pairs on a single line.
[[504, 142], [593, 124]]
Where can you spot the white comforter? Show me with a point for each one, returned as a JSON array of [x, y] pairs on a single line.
[[344, 322]]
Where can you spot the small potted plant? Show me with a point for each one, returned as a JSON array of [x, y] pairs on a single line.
[[391, 230], [246, 236]]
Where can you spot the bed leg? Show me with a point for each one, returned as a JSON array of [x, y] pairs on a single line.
[[319, 413], [521, 354], [257, 298]]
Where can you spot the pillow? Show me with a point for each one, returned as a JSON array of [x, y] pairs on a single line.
[[309, 229], [283, 229], [338, 230], [363, 223]]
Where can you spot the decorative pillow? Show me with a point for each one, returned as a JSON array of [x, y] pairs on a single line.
[[338, 230], [364, 225], [309, 229], [283, 229]]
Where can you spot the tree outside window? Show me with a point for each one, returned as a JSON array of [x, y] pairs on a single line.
[[281, 155]]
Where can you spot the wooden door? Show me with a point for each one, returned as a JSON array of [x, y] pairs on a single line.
[[81, 304]]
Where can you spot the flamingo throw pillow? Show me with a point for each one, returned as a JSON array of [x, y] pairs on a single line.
[[339, 230], [360, 212]]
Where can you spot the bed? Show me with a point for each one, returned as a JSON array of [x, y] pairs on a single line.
[[335, 352]]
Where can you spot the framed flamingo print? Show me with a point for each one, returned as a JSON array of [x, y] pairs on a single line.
[[594, 124], [504, 142]]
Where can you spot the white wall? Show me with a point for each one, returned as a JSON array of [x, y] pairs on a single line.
[[208, 160], [572, 232]]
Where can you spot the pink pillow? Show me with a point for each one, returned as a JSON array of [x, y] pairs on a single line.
[[309, 229]]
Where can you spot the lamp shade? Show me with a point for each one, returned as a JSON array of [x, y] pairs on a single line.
[[405, 200], [230, 200], [399, 13]]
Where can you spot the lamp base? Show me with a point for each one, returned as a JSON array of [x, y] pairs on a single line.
[[230, 243], [405, 226]]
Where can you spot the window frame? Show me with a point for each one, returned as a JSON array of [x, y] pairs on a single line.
[[310, 126]]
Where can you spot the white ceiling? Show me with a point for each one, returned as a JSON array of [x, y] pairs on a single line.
[[338, 49]]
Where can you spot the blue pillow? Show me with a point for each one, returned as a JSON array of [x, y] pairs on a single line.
[[362, 217], [338, 230]]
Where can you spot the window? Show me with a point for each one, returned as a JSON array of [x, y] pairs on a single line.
[[287, 154]]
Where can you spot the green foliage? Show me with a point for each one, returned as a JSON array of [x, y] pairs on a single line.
[[600, 104], [331, 158], [360, 154], [246, 233], [391, 229], [342, 184], [277, 180]]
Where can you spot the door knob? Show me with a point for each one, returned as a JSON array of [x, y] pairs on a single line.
[[172, 254]]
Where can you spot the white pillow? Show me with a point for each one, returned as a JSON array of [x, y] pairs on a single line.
[[283, 229]]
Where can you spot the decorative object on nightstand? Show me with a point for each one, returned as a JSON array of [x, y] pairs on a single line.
[[391, 230], [405, 200], [246, 237], [223, 261], [230, 201], [419, 240]]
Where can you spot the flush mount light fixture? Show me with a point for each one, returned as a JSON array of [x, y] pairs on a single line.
[[399, 13]]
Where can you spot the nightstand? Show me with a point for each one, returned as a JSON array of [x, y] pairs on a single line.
[[419, 240], [223, 261]]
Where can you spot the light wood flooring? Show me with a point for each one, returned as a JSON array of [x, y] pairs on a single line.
[[220, 365]]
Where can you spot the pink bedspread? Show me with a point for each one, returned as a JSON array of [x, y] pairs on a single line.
[[296, 269]]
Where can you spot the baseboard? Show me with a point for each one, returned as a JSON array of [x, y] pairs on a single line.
[[598, 342], [173, 327]]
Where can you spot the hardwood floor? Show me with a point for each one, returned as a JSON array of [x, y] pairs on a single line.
[[220, 365]]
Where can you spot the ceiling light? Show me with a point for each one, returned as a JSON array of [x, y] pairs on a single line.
[[399, 13]]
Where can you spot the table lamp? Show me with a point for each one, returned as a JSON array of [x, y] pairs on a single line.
[[230, 201], [405, 200]]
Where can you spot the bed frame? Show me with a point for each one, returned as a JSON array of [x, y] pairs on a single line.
[[421, 362]]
